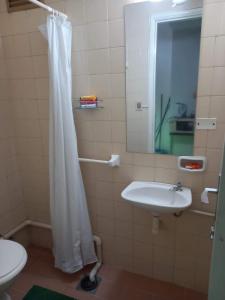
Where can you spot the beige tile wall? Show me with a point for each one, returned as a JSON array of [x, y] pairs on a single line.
[[181, 252], [12, 208]]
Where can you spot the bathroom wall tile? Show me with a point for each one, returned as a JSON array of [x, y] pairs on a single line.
[[79, 63], [165, 161], [116, 33], [5, 24], [142, 173], [124, 229], [200, 138], [35, 18], [117, 107], [212, 21], [75, 11], [20, 68], [40, 66], [4, 87], [105, 208], [214, 157], [1, 49], [30, 146], [166, 175], [42, 88], [105, 226], [217, 106], [96, 10], [79, 38], [222, 30], [202, 278], [116, 9], [79, 86], [207, 51], [100, 85], [23, 89], [218, 84], [25, 109], [118, 132], [142, 233], [141, 159], [117, 60], [16, 46], [98, 61], [205, 81], [219, 51], [123, 211], [203, 106], [3, 6], [184, 262], [3, 70], [117, 85], [215, 139], [142, 217], [185, 277], [43, 109], [104, 190], [123, 174], [164, 256], [19, 22], [38, 43], [97, 35], [27, 128]]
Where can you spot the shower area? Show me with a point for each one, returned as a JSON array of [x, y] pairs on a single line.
[[178, 47]]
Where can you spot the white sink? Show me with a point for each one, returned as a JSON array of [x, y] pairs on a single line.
[[157, 197]]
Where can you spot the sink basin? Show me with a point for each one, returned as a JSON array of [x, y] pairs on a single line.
[[157, 197]]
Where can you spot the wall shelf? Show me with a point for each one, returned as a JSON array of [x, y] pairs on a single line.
[[192, 164], [89, 108], [98, 106]]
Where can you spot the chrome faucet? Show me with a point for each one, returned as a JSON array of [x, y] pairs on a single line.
[[177, 187]]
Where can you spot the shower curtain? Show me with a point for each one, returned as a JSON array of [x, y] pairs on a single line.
[[72, 235]]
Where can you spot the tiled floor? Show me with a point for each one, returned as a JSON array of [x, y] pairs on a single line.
[[116, 284]]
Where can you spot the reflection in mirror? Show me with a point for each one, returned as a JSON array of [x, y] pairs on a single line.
[[162, 61]]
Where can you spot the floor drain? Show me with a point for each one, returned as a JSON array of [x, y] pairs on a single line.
[[87, 285]]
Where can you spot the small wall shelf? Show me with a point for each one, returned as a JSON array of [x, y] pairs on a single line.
[[89, 108], [97, 107], [192, 164]]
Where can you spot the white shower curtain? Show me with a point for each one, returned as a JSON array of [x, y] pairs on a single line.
[[72, 235]]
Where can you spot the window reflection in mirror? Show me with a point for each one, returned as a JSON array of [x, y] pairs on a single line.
[[162, 62]]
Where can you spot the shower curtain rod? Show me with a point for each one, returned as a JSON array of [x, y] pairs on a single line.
[[48, 8]]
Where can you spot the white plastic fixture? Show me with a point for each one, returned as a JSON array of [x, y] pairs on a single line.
[[183, 161], [113, 162], [159, 198], [206, 123], [48, 8], [13, 258]]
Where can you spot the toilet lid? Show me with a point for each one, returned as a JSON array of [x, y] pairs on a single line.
[[11, 256]]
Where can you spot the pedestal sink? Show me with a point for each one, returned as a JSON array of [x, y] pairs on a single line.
[[159, 198]]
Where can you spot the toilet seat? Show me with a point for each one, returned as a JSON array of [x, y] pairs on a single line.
[[13, 257]]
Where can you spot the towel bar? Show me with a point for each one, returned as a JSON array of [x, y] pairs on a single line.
[[113, 162]]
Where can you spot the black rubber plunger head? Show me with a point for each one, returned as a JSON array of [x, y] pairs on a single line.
[[87, 285]]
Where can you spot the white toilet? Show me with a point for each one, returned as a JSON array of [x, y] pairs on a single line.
[[13, 258]]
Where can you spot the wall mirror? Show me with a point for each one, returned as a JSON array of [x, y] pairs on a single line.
[[162, 62]]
